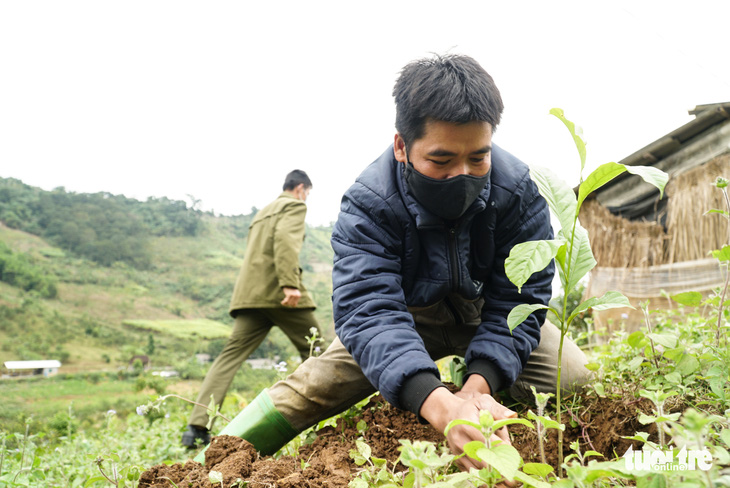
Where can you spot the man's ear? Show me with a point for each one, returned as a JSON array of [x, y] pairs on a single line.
[[399, 149], [299, 190]]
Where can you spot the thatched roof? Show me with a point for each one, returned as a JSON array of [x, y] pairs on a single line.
[[628, 224]]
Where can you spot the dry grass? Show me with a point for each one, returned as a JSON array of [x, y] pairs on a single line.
[[690, 232], [617, 242]]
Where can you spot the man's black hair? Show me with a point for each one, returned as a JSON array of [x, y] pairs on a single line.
[[450, 88], [295, 178]]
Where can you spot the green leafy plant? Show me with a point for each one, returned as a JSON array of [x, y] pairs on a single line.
[[723, 254], [542, 423], [503, 460], [658, 398], [571, 248], [375, 471], [313, 340]]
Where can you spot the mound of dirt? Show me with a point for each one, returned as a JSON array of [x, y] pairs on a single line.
[[326, 463]]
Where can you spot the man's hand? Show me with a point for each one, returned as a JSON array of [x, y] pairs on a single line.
[[475, 386], [291, 296], [441, 407]]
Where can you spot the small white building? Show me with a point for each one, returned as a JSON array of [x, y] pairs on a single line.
[[46, 367]]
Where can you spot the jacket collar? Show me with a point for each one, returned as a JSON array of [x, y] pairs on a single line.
[[286, 194]]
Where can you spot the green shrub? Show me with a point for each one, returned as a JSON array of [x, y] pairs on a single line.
[[19, 270]]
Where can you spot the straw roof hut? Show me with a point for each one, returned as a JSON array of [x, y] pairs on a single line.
[[649, 248]]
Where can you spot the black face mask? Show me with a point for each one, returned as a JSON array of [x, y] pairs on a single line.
[[448, 198]]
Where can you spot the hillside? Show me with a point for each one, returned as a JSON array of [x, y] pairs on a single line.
[[79, 271]]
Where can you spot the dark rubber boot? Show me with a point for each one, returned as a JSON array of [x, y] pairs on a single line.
[[195, 437]]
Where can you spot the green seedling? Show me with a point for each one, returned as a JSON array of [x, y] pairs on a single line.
[[723, 255], [542, 423], [693, 432], [375, 471], [580, 456], [658, 398], [571, 248], [503, 460], [428, 465]]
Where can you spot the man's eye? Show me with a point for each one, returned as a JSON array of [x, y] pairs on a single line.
[[440, 163]]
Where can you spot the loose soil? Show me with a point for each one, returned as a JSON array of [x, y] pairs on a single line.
[[600, 426]]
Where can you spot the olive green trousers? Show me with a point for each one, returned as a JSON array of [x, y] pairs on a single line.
[[249, 330], [326, 385]]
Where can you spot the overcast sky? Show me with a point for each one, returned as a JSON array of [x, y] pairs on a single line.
[[220, 99]]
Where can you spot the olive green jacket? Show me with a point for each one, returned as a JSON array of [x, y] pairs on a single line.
[[272, 257]]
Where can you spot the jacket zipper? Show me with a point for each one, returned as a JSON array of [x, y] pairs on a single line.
[[454, 259]]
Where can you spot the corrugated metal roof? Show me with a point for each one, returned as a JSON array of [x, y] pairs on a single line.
[[691, 145], [39, 364], [706, 118]]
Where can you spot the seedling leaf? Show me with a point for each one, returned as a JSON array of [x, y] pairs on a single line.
[[581, 261], [717, 211], [502, 457], [538, 469], [611, 299], [528, 480], [501, 423], [558, 195], [723, 254], [599, 177], [688, 299], [666, 340], [636, 339], [456, 422], [653, 176], [530, 257], [520, 313], [575, 132]]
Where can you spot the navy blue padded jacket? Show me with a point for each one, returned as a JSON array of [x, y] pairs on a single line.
[[391, 254]]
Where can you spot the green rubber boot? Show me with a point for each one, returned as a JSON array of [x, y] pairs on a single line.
[[261, 424]]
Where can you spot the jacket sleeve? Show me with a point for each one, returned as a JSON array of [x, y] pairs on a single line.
[[288, 239], [494, 352], [371, 318]]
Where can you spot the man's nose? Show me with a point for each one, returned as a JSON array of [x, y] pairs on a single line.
[[459, 169]]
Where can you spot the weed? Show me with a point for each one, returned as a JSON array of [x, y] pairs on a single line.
[[313, 340]]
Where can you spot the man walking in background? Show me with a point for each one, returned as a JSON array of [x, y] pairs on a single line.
[[269, 291]]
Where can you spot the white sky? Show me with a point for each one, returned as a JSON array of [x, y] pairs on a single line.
[[220, 99]]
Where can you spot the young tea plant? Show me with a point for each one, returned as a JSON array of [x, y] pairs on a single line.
[[571, 248], [503, 460]]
